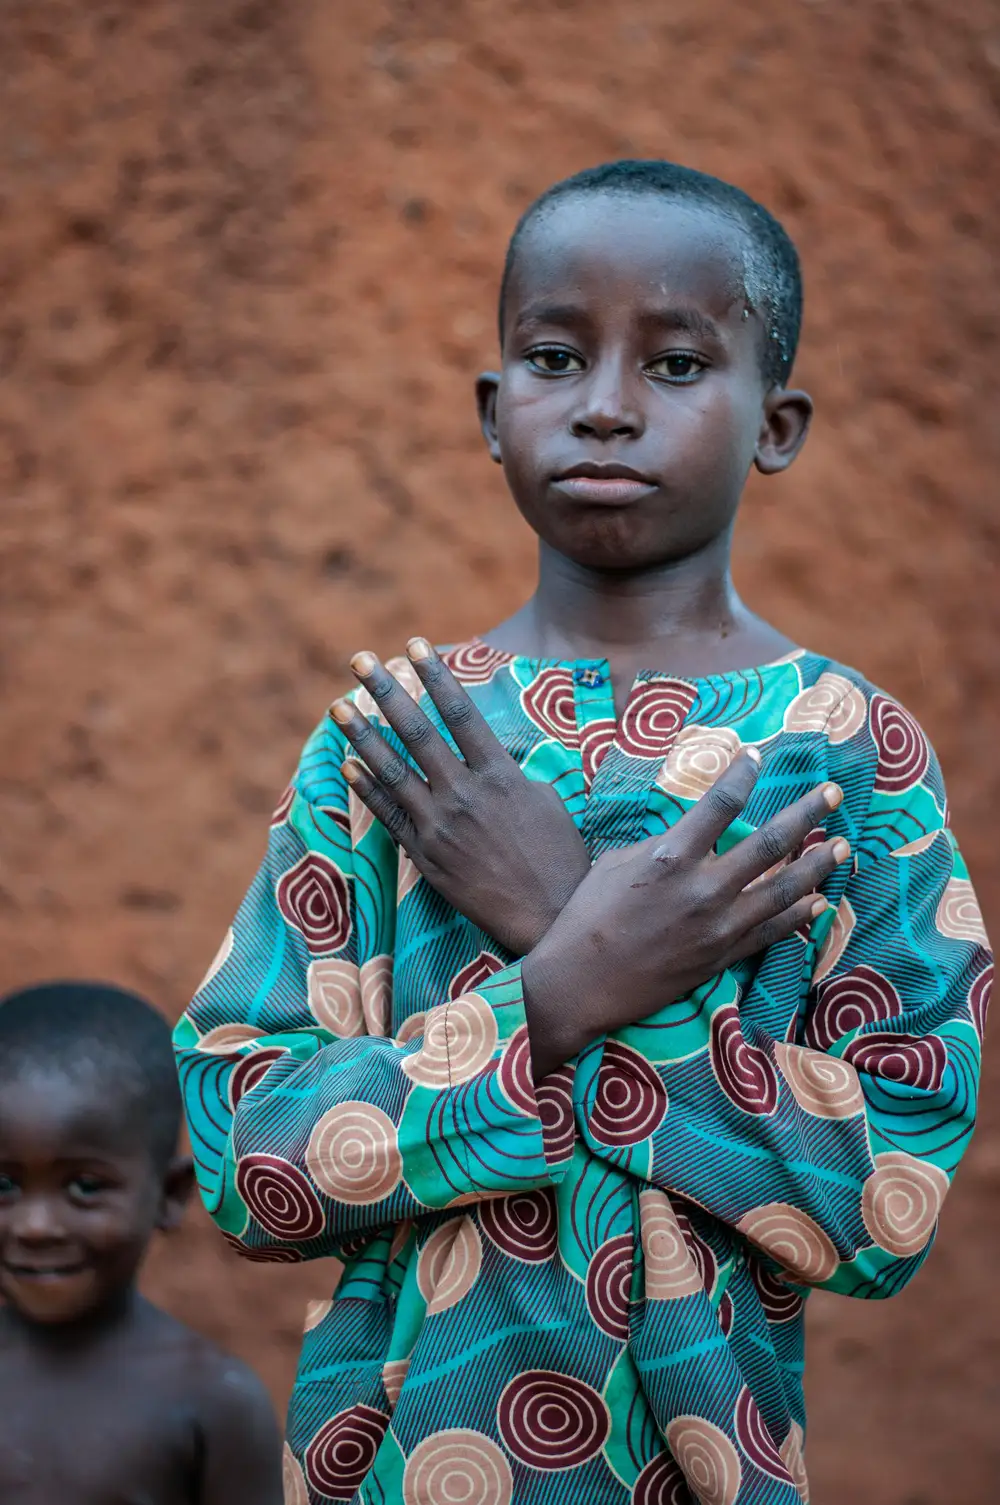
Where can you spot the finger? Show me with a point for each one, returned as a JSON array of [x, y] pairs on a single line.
[[379, 802], [700, 828], [779, 837], [795, 881], [401, 782], [423, 741], [779, 927], [473, 735]]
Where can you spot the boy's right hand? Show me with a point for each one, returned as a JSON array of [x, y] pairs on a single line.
[[652, 921]]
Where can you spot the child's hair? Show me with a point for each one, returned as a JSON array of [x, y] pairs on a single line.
[[78, 1027], [771, 272]]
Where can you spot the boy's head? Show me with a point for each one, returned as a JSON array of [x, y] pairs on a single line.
[[89, 1116], [649, 317]]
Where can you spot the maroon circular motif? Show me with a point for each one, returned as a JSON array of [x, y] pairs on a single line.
[[548, 700], [523, 1225], [279, 1197], [653, 716], [903, 754], [631, 1100], [594, 744], [755, 1440], [476, 972], [554, 1096], [475, 663], [847, 1002], [551, 1421], [262, 1256], [745, 1073], [343, 1450], [661, 1483], [979, 999], [514, 1072], [726, 1314], [283, 806], [313, 897], [912, 1060], [249, 1070], [779, 1302], [609, 1279], [704, 1257]]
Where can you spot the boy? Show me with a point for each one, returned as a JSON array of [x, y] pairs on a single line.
[[628, 985], [103, 1397]]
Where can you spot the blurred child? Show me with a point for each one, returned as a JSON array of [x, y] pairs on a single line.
[[104, 1398]]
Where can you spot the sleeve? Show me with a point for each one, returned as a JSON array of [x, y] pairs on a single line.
[[311, 1127], [820, 1105]]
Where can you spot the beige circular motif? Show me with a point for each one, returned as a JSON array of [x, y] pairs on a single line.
[[226, 1039], [917, 845], [376, 994], [448, 1264], [958, 913], [410, 1028], [221, 957], [408, 876], [333, 989], [832, 706], [710, 1462], [901, 1201], [836, 942], [792, 1239], [405, 674], [823, 1085], [459, 1040], [670, 1271], [360, 817], [699, 755], [316, 1311], [293, 1480], [457, 1467], [793, 1457], [353, 1153], [393, 1375]]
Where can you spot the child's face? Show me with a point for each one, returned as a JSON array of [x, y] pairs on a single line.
[[79, 1196], [629, 349]]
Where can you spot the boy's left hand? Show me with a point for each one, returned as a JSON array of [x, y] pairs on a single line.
[[501, 848]]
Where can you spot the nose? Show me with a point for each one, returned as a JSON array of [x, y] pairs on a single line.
[[36, 1222], [610, 406]]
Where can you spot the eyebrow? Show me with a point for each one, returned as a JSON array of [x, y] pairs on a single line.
[[552, 313], [687, 320]]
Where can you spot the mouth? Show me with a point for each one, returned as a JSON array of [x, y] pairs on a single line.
[[43, 1274], [604, 482]]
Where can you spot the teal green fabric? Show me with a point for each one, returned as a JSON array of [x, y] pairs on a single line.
[[589, 1290]]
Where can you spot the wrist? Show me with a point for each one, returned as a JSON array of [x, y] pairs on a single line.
[[555, 1007]]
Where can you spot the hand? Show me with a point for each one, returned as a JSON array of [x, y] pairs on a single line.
[[653, 921], [501, 848]]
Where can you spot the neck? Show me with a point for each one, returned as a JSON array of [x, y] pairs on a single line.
[[64, 1338]]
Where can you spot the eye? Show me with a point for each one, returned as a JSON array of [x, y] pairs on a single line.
[[553, 360], [8, 1187], [678, 366], [85, 1187]]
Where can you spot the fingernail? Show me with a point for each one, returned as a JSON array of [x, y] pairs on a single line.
[[418, 649], [819, 906], [342, 712], [363, 664], [841, 850], [832, 795], [351, 772], [753, 753]]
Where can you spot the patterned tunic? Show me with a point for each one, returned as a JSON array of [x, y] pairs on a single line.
[[589, 1290]]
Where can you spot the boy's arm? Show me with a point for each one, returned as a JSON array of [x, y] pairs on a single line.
[[828, 1141], [310, 1127], [241, 1443]]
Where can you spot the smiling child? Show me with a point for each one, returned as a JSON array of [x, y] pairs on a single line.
[[612, 979]]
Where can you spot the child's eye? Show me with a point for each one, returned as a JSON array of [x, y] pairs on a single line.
[[678, 366], [84, 1188], [553, 360], [8, 1187]]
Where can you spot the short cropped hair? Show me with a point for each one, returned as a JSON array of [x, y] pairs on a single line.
[[107, 1031], [771, 272]]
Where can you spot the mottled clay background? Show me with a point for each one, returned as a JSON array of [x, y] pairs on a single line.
[[248, 259]]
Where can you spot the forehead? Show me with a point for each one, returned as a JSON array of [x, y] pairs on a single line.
[[46, 1113], [616, 250]]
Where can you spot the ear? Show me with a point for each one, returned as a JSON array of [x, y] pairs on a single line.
[[178, 1184], [787, 416], [487, 387]]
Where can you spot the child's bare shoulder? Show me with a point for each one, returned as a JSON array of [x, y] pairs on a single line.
[[219, 1381]]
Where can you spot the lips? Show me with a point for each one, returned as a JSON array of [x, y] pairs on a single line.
[[43, 1272], [604, 482]]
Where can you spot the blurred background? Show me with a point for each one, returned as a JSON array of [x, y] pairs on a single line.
[[249, 256]]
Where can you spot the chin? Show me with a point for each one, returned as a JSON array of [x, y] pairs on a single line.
[[52, 1302]]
